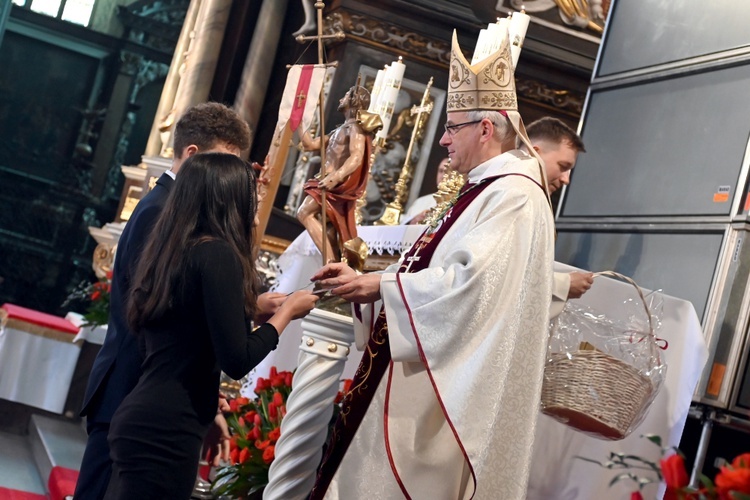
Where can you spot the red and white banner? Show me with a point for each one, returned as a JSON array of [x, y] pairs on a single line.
[[301, 94]]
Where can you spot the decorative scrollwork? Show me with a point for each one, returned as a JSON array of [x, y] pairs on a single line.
[[564, 100], [381, 32]]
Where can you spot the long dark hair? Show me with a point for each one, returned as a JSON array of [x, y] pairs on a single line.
[[213, 198]]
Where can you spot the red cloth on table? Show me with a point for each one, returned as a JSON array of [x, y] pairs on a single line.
[[39, 318]]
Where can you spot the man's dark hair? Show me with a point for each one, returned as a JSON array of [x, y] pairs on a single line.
[[555, 131], [208, 123]]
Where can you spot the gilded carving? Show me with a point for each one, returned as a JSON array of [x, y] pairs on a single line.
[[564, 100], [381, 32]]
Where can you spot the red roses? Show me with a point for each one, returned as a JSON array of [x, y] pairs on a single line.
[[675, 475], [256, 427], [731, 483]]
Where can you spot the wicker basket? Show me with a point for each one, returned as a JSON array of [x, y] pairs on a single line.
[[595, 392]]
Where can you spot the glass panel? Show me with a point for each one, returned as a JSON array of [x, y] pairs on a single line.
[[49, 7], [78, 11], [671, 147], [20, 2], [643, 33]]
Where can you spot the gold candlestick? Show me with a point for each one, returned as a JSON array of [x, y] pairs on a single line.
[[393, 210]]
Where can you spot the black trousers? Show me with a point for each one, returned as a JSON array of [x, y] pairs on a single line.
[[96, 467]]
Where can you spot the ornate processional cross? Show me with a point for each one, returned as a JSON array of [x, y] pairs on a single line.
[[320, 37]]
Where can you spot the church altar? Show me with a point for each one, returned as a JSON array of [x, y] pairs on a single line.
[[556, 473], [37, 358]]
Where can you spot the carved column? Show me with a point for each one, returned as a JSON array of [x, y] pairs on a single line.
[[203, 54], [325, 345], [166, 102], [259, 62]]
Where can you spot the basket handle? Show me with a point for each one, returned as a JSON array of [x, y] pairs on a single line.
[[613, 274]]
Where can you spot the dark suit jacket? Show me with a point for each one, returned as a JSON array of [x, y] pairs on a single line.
[[118, 365]]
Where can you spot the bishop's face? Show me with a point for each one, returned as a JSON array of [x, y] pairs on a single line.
[[461, 139]]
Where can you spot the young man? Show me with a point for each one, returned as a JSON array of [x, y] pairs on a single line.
[[558, 145], [445, 400], [203, 128]]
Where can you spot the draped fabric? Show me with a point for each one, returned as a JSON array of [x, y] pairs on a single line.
[[453, 366], [341, 201]]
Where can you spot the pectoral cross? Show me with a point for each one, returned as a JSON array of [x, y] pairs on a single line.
[[412, 260], [423, 241], [301, 97]]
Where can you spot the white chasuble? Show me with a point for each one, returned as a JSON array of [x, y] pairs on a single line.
[[454, 416]]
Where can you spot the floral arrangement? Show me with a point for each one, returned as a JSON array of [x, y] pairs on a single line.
[[96, 295], [255, 427], [731, 483]]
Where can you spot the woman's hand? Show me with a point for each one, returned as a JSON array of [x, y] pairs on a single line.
[[267, 304], [299, 304]]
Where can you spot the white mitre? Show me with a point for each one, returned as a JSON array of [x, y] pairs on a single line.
[[488, 85]]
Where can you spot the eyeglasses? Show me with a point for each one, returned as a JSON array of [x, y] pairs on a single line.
[[453, 129]]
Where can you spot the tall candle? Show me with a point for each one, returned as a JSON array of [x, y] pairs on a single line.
[[388, 94], [498, 32], [376, 88], [519, 23], [480, 50]]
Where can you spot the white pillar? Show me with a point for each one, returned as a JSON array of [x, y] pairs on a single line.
[[326, 340]]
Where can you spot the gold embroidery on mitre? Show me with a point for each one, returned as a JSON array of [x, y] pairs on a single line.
[[488, 85]]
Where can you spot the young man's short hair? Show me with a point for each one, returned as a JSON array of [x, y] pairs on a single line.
[[208, 123], [554, 131]]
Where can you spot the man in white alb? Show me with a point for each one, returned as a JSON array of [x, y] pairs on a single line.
[[558, 146], [445, 401]]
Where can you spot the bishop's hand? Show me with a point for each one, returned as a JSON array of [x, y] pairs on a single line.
[[344, 282]]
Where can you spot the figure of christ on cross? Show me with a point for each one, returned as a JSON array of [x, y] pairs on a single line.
[[344, 177]]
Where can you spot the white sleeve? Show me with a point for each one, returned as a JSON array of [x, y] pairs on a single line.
[[560, 289], [400, 332]]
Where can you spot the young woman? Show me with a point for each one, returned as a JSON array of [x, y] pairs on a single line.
[[192, 299]]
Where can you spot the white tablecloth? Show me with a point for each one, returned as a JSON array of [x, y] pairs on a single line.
[[36, 370], [557, 474], [86, 333]]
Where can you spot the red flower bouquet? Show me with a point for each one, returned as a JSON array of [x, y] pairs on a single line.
[[96, 294], [731, 483], [255, 426]]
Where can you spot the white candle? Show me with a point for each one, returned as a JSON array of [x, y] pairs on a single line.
[[376, 88], [519, 23], [499, 32], [480, 50], [388, 95]]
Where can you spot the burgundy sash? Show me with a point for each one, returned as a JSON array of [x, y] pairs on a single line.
[[377, 356]]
